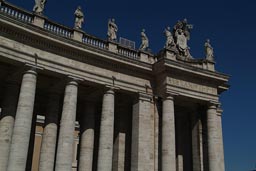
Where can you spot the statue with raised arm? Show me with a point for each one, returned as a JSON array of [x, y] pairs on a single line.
[[112, 30], [169, 38], [79, 18], [39, 6], [144, 40], [208, 50]]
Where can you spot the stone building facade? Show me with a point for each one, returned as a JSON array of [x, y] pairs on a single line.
[[71, 101]]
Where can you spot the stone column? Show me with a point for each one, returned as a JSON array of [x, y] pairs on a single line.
[[142, 157], [221, 153], [214, 140], [106, 132], [7, 122], [87, 138], [23, 121], [49, 139], [168, 135], [197, 142], [67, 127]]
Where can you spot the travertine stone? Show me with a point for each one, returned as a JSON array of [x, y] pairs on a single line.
[[180, 163], [214, 141], [39, 21], [197, 142], [142, 157], [67, 127], [119, 152], [221, 153], [87, 138], [7, 122], [168, 135], [106, 132], [22, 125], [49, 140]]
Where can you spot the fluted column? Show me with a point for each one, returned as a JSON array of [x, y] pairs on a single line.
[[23, 121], [87, 138], [67, 127], [142, 157], [49, 140], [168, 135], [7, 122], [214, 140], [106, 132]]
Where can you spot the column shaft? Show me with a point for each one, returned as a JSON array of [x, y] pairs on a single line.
[[23, 121], [106, 132], [87, 138], [168, 135], [7, 122], [49, 140], [221, 153], [67, 127], [142, 157], [213, 139]]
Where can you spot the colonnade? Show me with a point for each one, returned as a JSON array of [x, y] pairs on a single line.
[[15, 133]]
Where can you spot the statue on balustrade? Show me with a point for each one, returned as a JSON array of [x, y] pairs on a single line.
[[39, 6], [112, 30], [209, 50], [79, 18], [169, 44], [181, 33], [144, 41]]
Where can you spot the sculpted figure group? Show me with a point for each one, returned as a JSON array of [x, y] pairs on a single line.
[[176, 40]]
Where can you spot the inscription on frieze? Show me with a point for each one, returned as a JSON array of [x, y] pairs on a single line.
[[192, 86]]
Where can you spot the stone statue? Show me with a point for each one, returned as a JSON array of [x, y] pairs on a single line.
[[181, 33], [169, 38], [208, 50], [144, 40], [39, 6], [112, 30], [79, 18]]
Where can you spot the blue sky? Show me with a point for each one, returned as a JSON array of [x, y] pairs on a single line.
[[231, 26]]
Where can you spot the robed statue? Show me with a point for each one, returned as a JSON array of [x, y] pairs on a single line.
[[144, 40], [208, 50], [112, 30], [39, 6], [79, 18], [169, 43]]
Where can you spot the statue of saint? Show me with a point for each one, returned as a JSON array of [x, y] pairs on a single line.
[[79, 18], [112, 30], [169, 38], [39, 6], [208, 50], [144, 40]]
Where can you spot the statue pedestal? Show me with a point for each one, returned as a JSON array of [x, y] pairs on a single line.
[[210, 65], [146, 56], [39, 20], [112, 46], [78, 35]]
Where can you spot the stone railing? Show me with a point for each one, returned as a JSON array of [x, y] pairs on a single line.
[[58, 29], [70, 33], [88, 39], [16, 13], [130, 53]]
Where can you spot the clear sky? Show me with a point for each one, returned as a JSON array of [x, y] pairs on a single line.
[[231, 26]]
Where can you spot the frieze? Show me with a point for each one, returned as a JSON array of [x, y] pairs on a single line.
[[192, 86]]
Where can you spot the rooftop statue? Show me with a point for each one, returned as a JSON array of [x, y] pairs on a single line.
[[169, 38], [79, 18], [112, 30], [208, 50], [144, 41], [39, 6], [181, 33]]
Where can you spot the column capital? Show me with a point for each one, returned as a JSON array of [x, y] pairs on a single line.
[[31, 68], [169, 95], [144, 97], [73, 80], [213, 104]]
